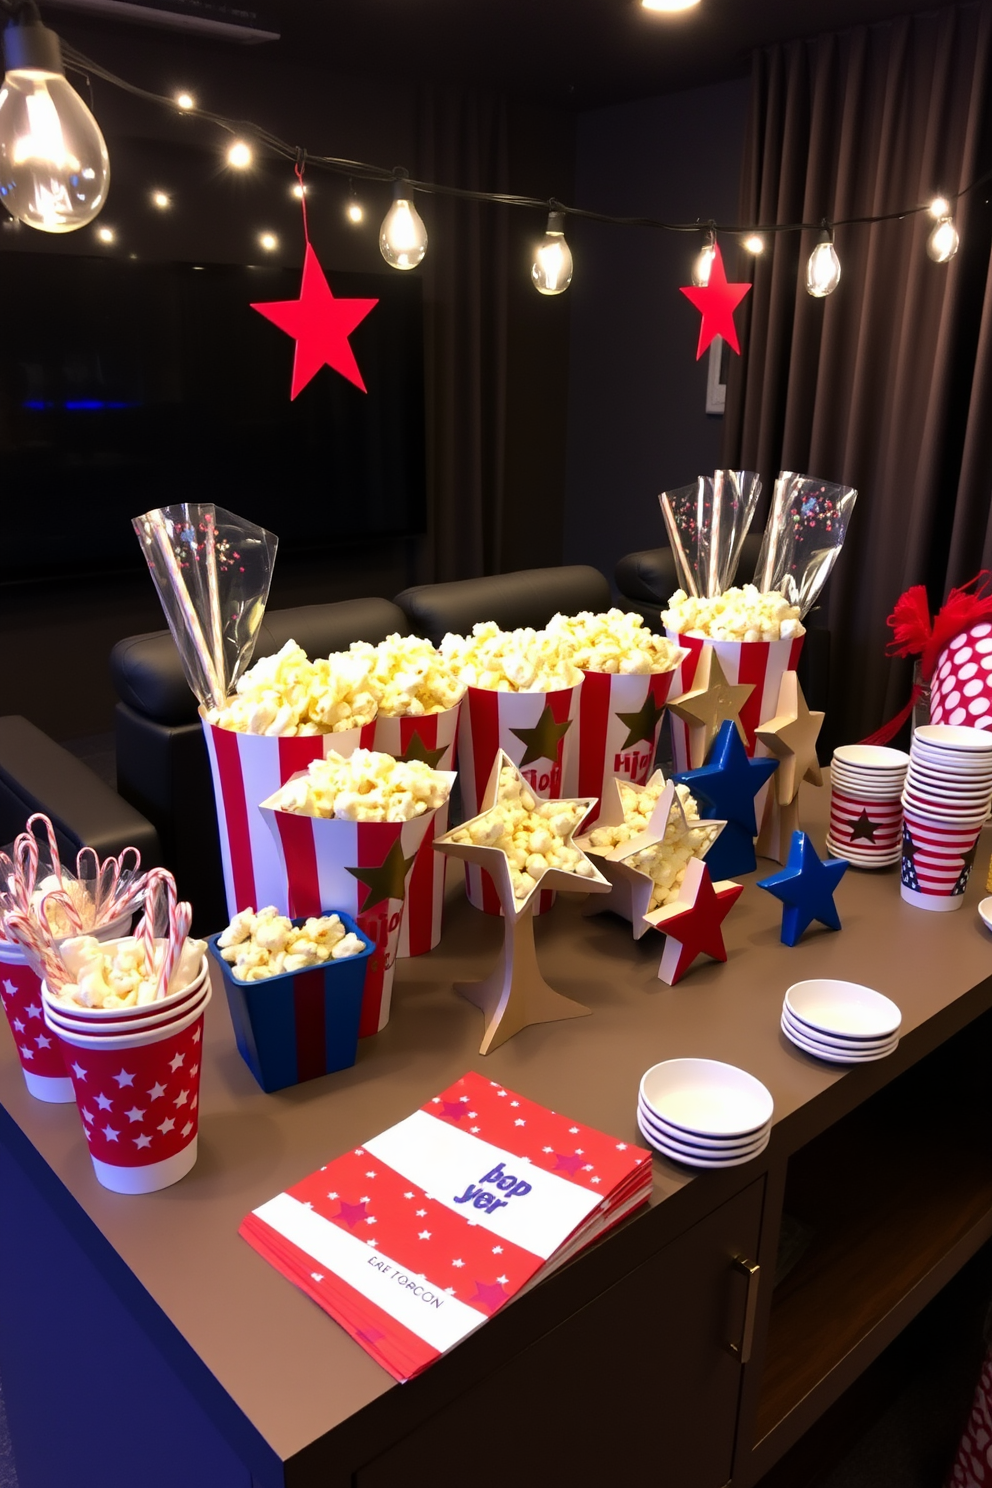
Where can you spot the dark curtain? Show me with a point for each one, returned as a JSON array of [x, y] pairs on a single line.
[[463, 138], [885, 385]]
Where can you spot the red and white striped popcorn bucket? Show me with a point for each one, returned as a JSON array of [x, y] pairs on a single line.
[[539, 732], [247, 769], [961, 688], [619, 721], [138, 1096], [362, 868], [762, 663], [37, 1048], [431, 739]]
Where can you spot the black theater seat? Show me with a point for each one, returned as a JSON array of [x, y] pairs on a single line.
[[528, 597]]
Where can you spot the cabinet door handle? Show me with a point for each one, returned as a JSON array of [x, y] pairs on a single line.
[[751, 1270]]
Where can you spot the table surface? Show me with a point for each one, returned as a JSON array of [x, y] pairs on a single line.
[[290, 1369]]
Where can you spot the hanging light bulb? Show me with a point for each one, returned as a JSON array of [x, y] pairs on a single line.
[[239, 155], [943, 242], [939, 207], [704, 261], [552, 267], [354, 211], [185, 101], [54, 167], [402, 236], [823, 267], [754, 243]]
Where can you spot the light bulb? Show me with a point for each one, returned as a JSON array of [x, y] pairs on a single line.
[[943, 242], [355, 211], [161, 200], [669, 5], [299, 191], [105, 234], [54, 168], [239, 155], [268, 241], [402, 236], [551, 271], [823, 268], [754, 243], [185, 101], [939, 207], [704, 262]]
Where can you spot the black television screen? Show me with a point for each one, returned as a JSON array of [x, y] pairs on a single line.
[[129, 385]]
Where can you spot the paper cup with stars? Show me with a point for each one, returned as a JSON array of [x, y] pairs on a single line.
[[619, 721], [37, 1048], [138, 1096], [246, 769], [700, 702], [360, 868], [431, 739], [538, 732]]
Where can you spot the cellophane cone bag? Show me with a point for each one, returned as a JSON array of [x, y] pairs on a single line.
[[707, 523], [432, 738], [806, 528], [539, 732]]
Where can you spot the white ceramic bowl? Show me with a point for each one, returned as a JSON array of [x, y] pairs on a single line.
[[844, 1009], [712, 1146], [833, 1056], [830, 1040], [690, 1160], [704, 1097]]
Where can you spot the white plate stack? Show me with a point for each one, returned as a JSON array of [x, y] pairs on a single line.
[[866, 785], [841, 1022], [704, 1113]]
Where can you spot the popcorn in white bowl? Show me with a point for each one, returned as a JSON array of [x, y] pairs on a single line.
[[286, 694], [412, 677], [366, 787], [267, 944], [615, 642], [744, 614], [511, 660]]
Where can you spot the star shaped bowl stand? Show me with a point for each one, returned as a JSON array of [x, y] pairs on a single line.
[[515, 994]]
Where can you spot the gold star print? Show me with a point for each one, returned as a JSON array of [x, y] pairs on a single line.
[[418, 750], [388, 881], [791, 737], [708, 704], [641, 725], [542, 741]]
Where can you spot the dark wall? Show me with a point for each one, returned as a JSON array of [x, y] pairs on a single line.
[[66, 628], [637, 397]]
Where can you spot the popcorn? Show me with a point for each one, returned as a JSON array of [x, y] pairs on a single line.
[[115, 974], [58, 921], [287, 695], [736, 615], [267, 944], [666, 860], [511, 660], [368, 787], [535, 835], [412, 677], [615, 642]]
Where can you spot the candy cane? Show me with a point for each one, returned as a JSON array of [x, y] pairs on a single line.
[[53, 847], [180, 919], [25, 868], [58, 898], [42, 954]]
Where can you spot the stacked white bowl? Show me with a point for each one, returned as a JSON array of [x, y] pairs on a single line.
[[866, 785], [841, 1022], [704, 1113], [946, 801]]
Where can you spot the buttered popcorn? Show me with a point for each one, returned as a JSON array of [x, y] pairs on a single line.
[[535, 835], [267, 944], [116, 974], [511, 660], [736, 615], [664, 861], [287, 695], [615, 642], [367, 787], [412, 677]]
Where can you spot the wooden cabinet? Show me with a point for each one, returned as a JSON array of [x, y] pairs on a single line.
[[641, 1381]]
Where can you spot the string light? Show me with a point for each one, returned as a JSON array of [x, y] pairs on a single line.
[[754, 243], [185, 101], [354, 211], [298, 190], [551, 272], [704, 260], [162, 200], [669, 6], [105, 234], [403, 236], [823, 267], [939, 207], [268, 241], [239, 155], [943, 242]]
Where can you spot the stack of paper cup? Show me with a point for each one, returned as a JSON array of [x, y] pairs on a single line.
[[135, 1073], [946, 801], [866, 784]]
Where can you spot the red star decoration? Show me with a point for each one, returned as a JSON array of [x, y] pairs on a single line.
[[567, 1163], [693, 921], [320, 325], [352, 1214], [717, 300], [489, 1294]]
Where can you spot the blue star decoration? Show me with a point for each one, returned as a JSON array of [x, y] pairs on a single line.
[[727, 785], [806, 887]]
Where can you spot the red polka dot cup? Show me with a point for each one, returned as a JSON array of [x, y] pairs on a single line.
[[138, 1097]]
